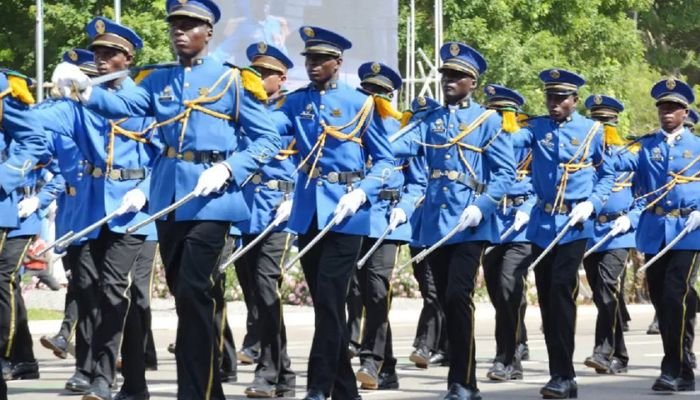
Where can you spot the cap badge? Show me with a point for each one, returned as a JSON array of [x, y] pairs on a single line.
[[454, 49], [554, 74], [490, 90], [73, 55], [670, 84], [598, 99], [100, 26], [309, 31], [262, 47], [376, 68], [421, 101]]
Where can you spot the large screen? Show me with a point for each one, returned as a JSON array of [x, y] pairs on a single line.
[[370, 25]]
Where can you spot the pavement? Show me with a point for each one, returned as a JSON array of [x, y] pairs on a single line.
[[646, 352]]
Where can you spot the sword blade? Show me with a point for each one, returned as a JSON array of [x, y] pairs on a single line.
[[243, 250], [189, 196], [601, 242], [374, 247], [55, 242], [311, 244], [663, 251], [86, 231], [425, 253], [549, 248], [109, 77]]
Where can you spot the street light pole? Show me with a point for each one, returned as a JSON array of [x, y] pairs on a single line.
[[117, 11], [39, 49]]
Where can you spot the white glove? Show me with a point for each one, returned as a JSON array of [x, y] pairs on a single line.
[[212, 180], [27, 206], [68, 78], [581, 212], [349, 204], [622, 224], [693, 221], [521, 219], [283, 211], [397, 217], [471, 217], [133, 201]]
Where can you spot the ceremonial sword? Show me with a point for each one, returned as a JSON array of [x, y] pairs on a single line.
[[85, 231], [55, 243], [613, 232], [665, 250], [335, 221], [549, 248], [238, 254], [189, 196], [423, 254]]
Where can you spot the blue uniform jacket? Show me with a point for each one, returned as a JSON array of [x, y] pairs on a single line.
[[200, 109], [657, 164], [45, 183], [106, 145], [488, 153], [338, 105], [17, 124], [554, 145]]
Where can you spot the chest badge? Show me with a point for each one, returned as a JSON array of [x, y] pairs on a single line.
[[687, 154], [656, 154], [167, 94], [308, 112], [336, 113], [575, 142], [547, 141], [203, 92], [439, 127], [463, 126]]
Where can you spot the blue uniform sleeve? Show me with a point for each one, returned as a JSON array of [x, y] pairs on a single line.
[[415, 182], [605, 174], [501, 164], [19, 122], [131, 102], [407, 141], [626, 160], [265, 139], [155, 150], [55, 186], [376, 142]]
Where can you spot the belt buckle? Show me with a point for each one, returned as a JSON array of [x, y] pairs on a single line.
[[71, 191], [333, 177], [452, 175], [563, 209], [602, 219], [256, 179], [273, 184], [548, 208], [188, 156], [315, 173], [115, 174], [675, 213], [171, 153], [436, 174], [96, 172], [659, 211]]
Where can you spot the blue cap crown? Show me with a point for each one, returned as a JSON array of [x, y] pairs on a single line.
[[674, 91], [266, 56], [379, 74], [561, 81], [105, 32], [462, 58], [322, 41], [502, 97], [205, 10], [693, 118], [84, 59]]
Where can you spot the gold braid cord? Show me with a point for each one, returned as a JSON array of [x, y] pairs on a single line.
[[140, 137], [287, 152], [524, 168], [359, 124], [677, 179], [624, 181], [456, 141], [574, 165]]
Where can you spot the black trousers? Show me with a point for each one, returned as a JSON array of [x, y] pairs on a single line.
[[455, 269], [114, 255], [246, 278], [604, 271], [505, 272], [374, 281], [328, 268], [70, 310], [137, 330], [671, 280], [84, 276], [264, 262], [356, 312], [191, 252], [556, 277], [15, 338], [227, 362], [431, 332]]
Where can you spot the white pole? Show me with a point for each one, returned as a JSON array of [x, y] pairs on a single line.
[[39, 49], [412, 68], [117, 11]]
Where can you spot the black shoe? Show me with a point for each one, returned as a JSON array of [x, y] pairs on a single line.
[[25, 370], [616, 367], [420, 357], [653, 328], [353, 350], [229, 376], [58, 344], [151, 365], [665, 383], [598, 362], [99, 390], [625, 326], [368, 376], [459, 392], [248, 356], [522, 352], [693, 360], [171, 348], [497, 372], [685, 385], [315, 394], [261, 389], [388, 381], [78, 383], [123, 395], [6, 368], [560, 388], [438, 358]]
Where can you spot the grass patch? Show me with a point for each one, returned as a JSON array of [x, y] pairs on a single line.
[[38, 314]]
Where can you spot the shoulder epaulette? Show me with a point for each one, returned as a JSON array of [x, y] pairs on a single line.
[[140, 73], [422, 103], [18, 86], [635, 142], [384, 107], [11, 72], [252, 82]]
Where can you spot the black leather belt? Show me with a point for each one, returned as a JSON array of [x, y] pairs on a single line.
[[516, 201], [391, 195], [456, 176], [563, 209], [118, 174], [344, 177], [603, 218], [196, 156], [678, 212], [273, 184]]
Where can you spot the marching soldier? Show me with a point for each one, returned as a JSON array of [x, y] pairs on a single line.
[[471, 166], [19, 126], [505, 266], [199, 103], [566, 148], [605, 267], [378, 364], [667, 167], [337, 130], [269, 193]]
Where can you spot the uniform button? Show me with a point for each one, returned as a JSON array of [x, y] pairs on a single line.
[[322, 92], [669, 202], [319, 183], [452, 111], [450, 126], [445, 188], [322, 107], [257, 190], [320, 154], [561, 145], [188, 69], [187, 84], [671, 157], [447, 156], [443, 206]]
